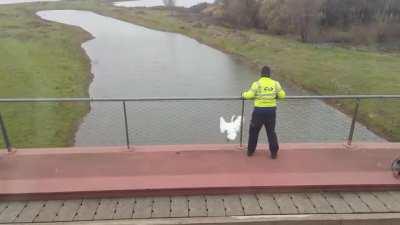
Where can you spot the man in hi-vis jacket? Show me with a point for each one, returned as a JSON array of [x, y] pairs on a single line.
[[265, 93]]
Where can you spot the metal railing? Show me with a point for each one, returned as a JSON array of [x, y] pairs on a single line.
[[123, 102], [5, 134], [326, 97]]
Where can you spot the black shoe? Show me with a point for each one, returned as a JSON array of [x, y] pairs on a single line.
[[274, 155], [249, 154]]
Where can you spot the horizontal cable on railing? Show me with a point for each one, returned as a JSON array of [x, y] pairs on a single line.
[[333, 97]]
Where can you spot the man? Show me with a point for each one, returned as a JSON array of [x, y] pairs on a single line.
[[265, 92]]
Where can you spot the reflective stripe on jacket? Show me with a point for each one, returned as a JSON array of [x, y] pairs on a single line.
[[265, 91]]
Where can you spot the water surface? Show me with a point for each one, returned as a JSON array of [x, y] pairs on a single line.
[[153, 3], [5, 2], [130, 61]]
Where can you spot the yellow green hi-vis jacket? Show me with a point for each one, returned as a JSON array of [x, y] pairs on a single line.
[[265, 91]]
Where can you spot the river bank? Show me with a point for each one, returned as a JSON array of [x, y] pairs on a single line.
[[41, 60]]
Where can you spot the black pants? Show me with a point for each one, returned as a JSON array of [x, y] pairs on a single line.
[[260, 117]]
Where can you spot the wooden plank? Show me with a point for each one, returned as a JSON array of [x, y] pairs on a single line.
[[30, 212], [285, 203], [355, 202], [10, 213], [250, 204], [395, 194], [106, 209], [303, 204], [337, 202], [372, 202], [268, 204], [87, 210], [143, 208], [215, 206], [179, 207], [49, 211], [391, 203], [3, 206], [197, 206], [161, 207], [124, 208], [320, 203], [233, 205], [68, 210]]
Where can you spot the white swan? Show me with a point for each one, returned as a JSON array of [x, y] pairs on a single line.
[[231, 128]]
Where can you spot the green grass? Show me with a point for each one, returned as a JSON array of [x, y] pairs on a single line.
[[44, 59], [41, 60]]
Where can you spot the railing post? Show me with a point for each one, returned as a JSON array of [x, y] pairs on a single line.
[[5, 135], [241, 125], [353, 123], [126, 125]]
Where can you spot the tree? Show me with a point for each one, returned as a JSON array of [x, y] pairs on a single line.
[[300, 17], [349, 20], [274, 17], [305, 16], [240, 13], [170, 4]]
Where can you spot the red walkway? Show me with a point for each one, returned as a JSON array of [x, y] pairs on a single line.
[[194, 169]]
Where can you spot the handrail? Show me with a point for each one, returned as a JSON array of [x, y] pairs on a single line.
[[5, 135], [327, 97], [358, 98]]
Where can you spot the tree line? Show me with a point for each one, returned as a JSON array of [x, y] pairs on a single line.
[[317, 20]]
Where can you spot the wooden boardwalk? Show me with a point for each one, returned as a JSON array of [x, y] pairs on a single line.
[[200, 206]]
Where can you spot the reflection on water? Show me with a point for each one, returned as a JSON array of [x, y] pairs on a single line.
[[4, 2], [153, 3], [130, 61]]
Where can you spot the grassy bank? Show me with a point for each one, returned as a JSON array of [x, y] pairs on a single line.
[[44, 59], [41, 60]]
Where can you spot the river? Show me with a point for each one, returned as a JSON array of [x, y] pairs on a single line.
[[130, 61], [6, 2], [153, 3]]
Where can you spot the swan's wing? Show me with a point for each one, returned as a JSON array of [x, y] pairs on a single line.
[[237, 123], [223, 126]]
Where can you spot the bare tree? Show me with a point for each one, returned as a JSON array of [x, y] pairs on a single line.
[[290, 16], [274, 16], [305, 16], [170, 4], [331, 20], [241, 13]]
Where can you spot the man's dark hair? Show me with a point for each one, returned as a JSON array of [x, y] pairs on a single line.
[[266, 71]]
